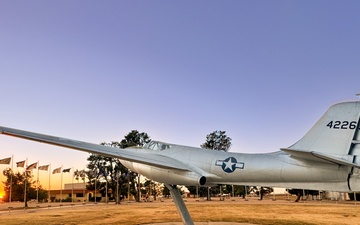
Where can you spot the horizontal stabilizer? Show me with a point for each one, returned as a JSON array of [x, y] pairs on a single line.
[[320, 157]]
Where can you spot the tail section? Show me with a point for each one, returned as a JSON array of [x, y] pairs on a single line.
[[336, 132]]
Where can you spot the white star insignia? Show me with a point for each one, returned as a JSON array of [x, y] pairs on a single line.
[[229, 164]]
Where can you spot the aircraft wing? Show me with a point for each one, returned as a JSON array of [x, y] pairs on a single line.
[[129, 154], [318, 156]]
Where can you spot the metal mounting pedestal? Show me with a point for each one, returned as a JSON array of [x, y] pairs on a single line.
[[180, 205]]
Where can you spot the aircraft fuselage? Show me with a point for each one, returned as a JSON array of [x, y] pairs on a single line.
[[276, 169]]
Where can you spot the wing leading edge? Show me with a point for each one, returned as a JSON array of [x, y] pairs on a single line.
[[133, 155]]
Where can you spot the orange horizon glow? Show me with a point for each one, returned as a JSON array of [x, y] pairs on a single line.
[[2, 192], [55, 180]]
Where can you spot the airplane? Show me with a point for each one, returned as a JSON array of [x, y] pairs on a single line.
[[326, 158]]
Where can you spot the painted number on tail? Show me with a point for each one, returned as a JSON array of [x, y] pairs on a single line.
[[342, 125]]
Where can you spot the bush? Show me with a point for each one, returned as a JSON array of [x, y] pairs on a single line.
[[352, 196], [92, 199], [68, 199]]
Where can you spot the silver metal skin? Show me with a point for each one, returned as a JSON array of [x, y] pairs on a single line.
[[326, 158]]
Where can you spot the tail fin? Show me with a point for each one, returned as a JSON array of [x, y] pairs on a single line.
[[337, 131]]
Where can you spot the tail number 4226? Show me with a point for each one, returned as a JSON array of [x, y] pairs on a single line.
[[342, 125]]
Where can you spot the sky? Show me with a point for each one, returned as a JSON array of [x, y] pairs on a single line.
[[263, 71]]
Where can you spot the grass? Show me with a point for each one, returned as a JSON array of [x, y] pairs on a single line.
[[265, 212]]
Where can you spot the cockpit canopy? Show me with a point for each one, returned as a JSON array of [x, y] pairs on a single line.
[[157, 146]]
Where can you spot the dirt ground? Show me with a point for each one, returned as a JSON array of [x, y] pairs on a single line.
[[236, 210]]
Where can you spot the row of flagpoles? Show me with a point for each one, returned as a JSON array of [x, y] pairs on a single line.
[[23, 164], [33, 166]]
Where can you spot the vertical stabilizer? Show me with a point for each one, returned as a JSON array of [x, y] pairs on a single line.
[[335, 132]]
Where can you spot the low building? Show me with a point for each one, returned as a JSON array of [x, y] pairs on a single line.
[[75, 192]]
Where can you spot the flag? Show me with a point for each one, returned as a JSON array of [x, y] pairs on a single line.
[[20, 164], [43, 167], [32, 166], [5, 161], [57, 170], [66, 170]]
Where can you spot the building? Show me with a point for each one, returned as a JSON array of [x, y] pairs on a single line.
[[75, 192]]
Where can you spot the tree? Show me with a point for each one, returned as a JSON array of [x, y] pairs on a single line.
[[203, 191], [109, 170], [134, 139], [300, 192], [238, 190], [261, 191], [217, 140], [241, 191], [354, 196], [79, 174], [18, 187], [104, 170], [165, 191], [151, 189]]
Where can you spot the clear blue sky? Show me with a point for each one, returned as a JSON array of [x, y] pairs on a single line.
[[263, 71]]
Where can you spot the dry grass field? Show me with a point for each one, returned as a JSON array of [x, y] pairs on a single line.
[[252, 211]]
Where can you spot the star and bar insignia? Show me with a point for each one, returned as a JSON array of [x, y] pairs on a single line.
[[229, 164]]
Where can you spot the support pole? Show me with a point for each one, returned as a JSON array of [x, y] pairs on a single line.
[[180, 205]]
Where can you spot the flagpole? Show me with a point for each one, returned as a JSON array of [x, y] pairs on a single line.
[[37, 183], [72, 185], [11, 175], [26, 164], [85, 197], [61, 184], [49, 198]]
